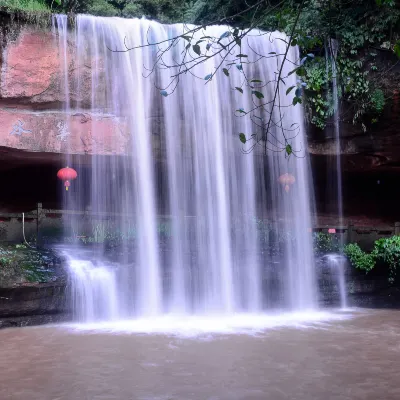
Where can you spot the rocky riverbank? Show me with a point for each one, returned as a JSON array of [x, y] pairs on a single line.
[[33, 286]]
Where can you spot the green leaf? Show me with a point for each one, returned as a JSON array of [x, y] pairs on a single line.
[[188, 46], [196, 49], [241, 55], [290, 89], [239, 89], [301, 71], [238, 41], [241, 111], [292, 72], [242, 137], [396, 48], [272, 52], [258, 94], [226, 72], [256, 81], [208, 77], [296, 100], [294, 42], [188, 38], [58, 2], [288, 149]]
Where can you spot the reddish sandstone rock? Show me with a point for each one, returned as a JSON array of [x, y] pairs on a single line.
[[31, 65], [34, 72], [58, 132]]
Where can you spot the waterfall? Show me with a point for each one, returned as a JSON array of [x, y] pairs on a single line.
[[336, 264], [335, 167], [93, 289], [183, 168]]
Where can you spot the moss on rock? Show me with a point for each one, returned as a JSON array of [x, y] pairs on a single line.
[[20, 264]]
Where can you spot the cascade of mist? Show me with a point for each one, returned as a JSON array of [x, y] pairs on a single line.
[[184, 164]]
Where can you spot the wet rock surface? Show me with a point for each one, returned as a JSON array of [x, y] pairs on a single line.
[[363, 290], [33, 286]]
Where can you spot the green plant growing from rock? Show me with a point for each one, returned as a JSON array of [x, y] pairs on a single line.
[[385, 251], [20, 264], [359, 258]]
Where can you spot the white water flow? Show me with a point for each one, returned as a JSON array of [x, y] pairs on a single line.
[[337, 178], [337, 264], [184, 199], [94, 290]]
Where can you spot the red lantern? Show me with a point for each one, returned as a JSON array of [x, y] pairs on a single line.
[[66, 175], [286, 180]]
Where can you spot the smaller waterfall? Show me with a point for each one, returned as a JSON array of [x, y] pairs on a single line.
[[94, 287], [336, 116], [336, 264]]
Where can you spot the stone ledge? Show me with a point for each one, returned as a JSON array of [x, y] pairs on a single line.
[[33, 320], [33, 299]]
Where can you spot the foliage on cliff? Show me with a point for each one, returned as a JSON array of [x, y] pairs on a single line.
[[386, 251], [20, 264]]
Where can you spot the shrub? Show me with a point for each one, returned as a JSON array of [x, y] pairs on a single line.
[[359, 258], [387, 250], [103, 9]]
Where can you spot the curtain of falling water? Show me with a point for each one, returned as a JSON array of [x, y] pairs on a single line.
[[339, 195], [213, 192]]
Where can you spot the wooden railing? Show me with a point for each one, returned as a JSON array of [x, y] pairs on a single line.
[[35, 220]]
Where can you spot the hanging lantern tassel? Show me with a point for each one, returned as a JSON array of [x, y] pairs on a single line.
[[66, 175]]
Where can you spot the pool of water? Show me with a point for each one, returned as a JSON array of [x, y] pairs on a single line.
[[332, 358]]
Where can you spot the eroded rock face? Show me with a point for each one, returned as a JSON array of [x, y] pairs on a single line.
[[30, 66], [33, 71], [376, 149], [58, 132], [33, 113], [34, 304]]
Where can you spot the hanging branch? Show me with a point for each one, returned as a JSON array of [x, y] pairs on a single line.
[[216, 47]]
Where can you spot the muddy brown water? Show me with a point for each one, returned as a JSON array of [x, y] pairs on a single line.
[[352, 359]]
